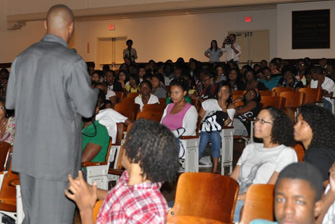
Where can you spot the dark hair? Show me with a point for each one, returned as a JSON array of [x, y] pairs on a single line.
[[304, 171], [135, 77], [288, 68], [154, 148], [216, 45], [249, 70], [322, 123], [318, 70], [257, 96], [117, 77], [282, 127], [222, 84], [179, 82], [146, 82], [130, 41], [159, 76]]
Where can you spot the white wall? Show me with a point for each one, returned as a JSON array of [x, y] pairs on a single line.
[[158, 38], [284, 31], [162, 38]]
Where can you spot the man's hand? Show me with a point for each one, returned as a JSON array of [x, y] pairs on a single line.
[[83, 194]]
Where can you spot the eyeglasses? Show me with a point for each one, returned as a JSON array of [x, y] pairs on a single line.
[[262, 121]]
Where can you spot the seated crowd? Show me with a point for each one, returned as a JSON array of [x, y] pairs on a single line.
[[198, 99]]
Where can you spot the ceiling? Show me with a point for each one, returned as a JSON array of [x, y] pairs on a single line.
[[163, 8]]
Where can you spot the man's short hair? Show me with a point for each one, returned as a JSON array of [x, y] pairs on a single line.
[[304, 171], [155, 148], [318, 70]]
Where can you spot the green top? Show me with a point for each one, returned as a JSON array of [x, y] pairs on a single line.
[[100, 138]]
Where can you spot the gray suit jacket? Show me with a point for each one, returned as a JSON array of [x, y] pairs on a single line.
[[49, 88]]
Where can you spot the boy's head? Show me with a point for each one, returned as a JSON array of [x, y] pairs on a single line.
[[298, 194], [154, 148]]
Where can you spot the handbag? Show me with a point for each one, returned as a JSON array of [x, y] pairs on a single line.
[[214, 121]]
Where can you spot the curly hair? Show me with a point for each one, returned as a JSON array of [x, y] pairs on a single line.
[[155, 149], [282, 128], [322, 123]]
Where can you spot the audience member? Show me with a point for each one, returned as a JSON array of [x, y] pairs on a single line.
[[215, 113], [145, 96], [150, 158], [180, 114], [302, 70], [297, 195], [132, 84], [260, 163], [95, 139], [289, 79], [319, 80], [7, 125], [158, 87], [219, 75], [252, 82], [270, 80], [315, 129], [234, 79], [209, 86], [250, 109]]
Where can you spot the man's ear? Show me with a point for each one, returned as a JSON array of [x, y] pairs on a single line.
[[317, 208], [45, 25]]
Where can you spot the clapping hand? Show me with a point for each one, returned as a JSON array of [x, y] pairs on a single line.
[[82, 193]]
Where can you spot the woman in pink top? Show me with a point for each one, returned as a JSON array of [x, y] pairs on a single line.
[[180, 114]]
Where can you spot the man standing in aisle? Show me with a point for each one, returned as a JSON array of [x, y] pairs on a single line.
[[231, 48], [49, 88]]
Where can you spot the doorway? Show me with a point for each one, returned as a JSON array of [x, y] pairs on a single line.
[[110, 51], [255, 46]]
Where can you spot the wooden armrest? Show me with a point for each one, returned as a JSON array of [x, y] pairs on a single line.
[[115, 171], [228, 127], [86, 164], [188, 137], [14, 182]]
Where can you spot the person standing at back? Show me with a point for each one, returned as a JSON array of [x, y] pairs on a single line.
[[49, 88], [231, 48], [130, 52]]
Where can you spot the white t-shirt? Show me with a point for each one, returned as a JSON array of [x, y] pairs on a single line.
[[231, 53], [212, 105], [259, 163], [328, 85], [152, 100], [110, 92], [108, 118]]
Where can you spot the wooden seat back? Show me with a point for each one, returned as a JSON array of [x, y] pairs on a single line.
[[153, 107], [205, 195], [311, 95], [4, 155], [191, 219], [119, 96], [274, 101], [278, 90], [299, 149], [128, 110], [266, 93], [162, 101], [132, 95], [8, 190], [96, 210], [293, 99], [258, 203], [150, 115]]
